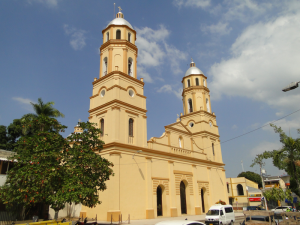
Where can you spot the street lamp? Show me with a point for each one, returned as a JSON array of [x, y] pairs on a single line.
[[291, 86], [136, 153]]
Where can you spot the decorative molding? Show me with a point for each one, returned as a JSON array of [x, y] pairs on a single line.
[[182, 172], [191, 75], [208, 168], [94, 96], [118, 102], [188, 178], [170, 161], [124, 75], [142, 96], [200, 111], [98, 114], [162, 153], [159, 178], [118, 86], [145, 117], [202, 181], [207, 132], [114, 25], [160, 181], [90, 117], [202, 121], [115, 107], [192, 88], [132, 112], [148, 158], [115, 153], [203, 184]]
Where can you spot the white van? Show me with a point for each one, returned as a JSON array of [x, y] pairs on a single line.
[[220, 214]]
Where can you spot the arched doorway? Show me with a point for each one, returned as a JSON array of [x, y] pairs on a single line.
[[159, 201], [182, 198], [202, 200]]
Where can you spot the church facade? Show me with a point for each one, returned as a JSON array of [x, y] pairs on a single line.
[[179, 173]]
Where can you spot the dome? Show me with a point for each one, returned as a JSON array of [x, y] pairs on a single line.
[[120, 21], [193, 70]]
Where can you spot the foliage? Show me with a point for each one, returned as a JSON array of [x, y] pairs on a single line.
[[287, 157], [278, 194], [221, 202], [9, 135], [252, 176], [50, 171], [46, 109], [87, 171]]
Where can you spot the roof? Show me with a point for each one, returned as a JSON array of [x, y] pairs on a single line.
[[252, 189], [4, 154], [120, 21], [193, 70]]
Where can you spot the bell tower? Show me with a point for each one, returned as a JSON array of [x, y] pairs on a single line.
[[195, 92], [118, 104]]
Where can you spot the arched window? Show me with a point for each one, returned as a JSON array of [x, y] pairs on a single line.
[[204, 82], [159, 201], [240, 190], [107, 36], [213, 149], [104, 66], [130, 127], [130, 67], [102, 127], [207, 105], [190, 105], [182, 197], [189, 83], [197, 82], [118, 34], [129, 37]]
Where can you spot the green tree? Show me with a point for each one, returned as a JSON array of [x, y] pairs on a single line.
[[252, 176], [286, 158], [9, 135], [54, 170], [278, 194], [45, 109]]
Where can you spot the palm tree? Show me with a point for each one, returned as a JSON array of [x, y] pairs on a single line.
[[46, 109], [41, 109]]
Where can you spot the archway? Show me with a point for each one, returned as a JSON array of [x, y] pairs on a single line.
[[183, 198], [202, 200], [240, 190], [159, 201]]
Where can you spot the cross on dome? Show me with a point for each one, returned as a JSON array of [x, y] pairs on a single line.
[[119, 8]]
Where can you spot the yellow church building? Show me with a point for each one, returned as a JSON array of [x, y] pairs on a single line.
[[180, 172]]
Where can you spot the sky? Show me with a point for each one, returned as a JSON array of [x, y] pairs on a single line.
[[249, 50]]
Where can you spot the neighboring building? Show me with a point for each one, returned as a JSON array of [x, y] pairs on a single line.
[[180, 172], [243, 192], [5, 165], [282, 181]]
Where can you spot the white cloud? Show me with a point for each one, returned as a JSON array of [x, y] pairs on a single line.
[[287, 125], [264, 59], [142, 73], [219, 28], [50, 3], [265, 146], [77, 41], [192, 3], [154, 51], [170, 89], [25, 102]]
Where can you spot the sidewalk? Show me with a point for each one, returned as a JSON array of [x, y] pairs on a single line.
[[156, 220]]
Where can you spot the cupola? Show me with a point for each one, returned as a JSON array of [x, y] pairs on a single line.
[[193, 69]]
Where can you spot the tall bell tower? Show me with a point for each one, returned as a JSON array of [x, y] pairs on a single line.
[[118, 104]]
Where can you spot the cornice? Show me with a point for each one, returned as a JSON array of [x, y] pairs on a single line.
[[118, 73], [201, 75], [200, 111], [182, 172], [120, 42], [178, 130], [206, 132], [98, 114], [114, 25], [194, 88], [159, 178], [130, 112], [117, 102], [158, 152]]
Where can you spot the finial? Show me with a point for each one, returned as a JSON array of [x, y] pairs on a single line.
[[119, 9], [192, 59]]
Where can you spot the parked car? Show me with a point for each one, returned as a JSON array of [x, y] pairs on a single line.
[[179, 222], [220, 214], [254, 208], [259, 218], [281, 208]]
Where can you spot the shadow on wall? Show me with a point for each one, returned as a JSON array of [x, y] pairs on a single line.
[[71, 210]]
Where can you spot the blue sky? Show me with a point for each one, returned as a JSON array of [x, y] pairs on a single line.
[[249, 50]]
